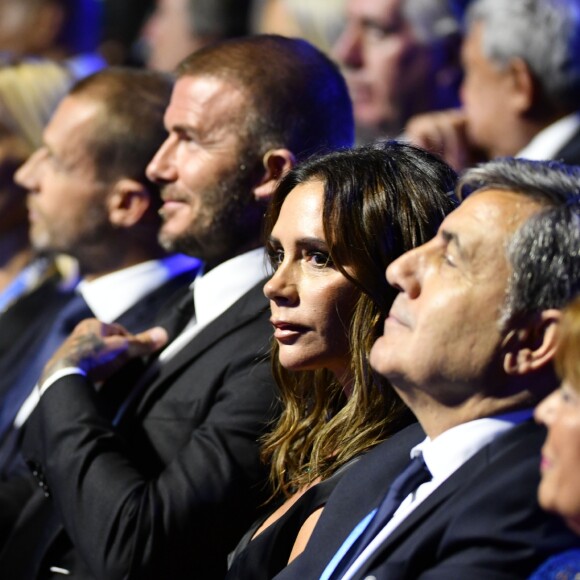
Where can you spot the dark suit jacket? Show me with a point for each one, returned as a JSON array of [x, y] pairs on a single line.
[[570, 152], [169, 493], [32, 311], [46, 301], [482, 523]]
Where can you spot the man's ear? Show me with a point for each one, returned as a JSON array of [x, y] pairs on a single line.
[[523, 89], [276, 162], [533, 346], [127, 203]]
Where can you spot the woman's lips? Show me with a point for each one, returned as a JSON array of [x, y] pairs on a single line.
[[287, 331]]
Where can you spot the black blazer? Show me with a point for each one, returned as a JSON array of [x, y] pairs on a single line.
[[142, 315], [483, 523], [570, 152], [168, 493], [28, 320]]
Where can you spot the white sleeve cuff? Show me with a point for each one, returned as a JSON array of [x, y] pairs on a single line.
[[30, 404]]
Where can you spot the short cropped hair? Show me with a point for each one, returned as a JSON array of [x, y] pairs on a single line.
[[544, 252], [131, 128], [296, 96]]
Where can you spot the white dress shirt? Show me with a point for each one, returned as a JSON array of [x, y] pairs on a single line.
[[213, 294], [111, 295], [547, 143], [216, 291], [443, 455]]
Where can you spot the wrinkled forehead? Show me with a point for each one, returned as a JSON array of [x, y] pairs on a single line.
[[487, 219]]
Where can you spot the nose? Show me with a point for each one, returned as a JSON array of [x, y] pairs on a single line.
[[403, 273], [281, 287], [546, 410], [347, 49], [163, 168], [26, 174]]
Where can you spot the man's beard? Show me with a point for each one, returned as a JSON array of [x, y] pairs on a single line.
[[228, 220]]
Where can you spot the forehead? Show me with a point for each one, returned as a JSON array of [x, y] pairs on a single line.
[[301, 212], [204, 102], [73, 122], [380, 11], [472, 46], [486, 220]]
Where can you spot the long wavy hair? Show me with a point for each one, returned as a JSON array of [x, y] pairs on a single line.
[[380, 200]]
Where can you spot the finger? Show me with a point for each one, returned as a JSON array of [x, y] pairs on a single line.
[[147, 342]]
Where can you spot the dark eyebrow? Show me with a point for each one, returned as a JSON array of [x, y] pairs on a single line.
[[307, 242], [452, 238]]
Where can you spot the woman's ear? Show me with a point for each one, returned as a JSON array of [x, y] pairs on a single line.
[[276, 162], [127, 203], [532, 346]]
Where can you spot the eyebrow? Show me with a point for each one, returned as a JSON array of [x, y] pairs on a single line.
[[452, 238], [306, 242]]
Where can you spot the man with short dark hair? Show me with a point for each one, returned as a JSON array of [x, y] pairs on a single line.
[[167, 487], [89, 198], [469, 346]]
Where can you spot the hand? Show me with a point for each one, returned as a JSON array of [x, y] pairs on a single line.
[[444, 133], [101, 349]]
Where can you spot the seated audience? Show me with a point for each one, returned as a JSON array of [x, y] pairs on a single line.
[[468, 345], [88, 197], [521, 91], [334, 225], [559, 490], [400, 58], [165, 487]]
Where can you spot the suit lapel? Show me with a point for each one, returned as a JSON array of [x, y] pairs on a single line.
[[472, 469], [249, 306], [154, 305]]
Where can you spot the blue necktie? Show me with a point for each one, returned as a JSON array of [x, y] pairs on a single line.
[[406, 482]]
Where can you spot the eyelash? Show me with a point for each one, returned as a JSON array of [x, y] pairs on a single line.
[[276, 257], [448, 260]]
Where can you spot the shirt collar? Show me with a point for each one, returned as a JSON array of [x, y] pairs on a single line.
[[111, 295], [216, 291], [549, 141], [450, 450]]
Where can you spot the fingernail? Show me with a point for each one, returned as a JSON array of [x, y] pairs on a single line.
[[158, 336]]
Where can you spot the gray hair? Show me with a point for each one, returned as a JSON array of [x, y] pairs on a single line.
[[544, 253], [432, 20], [544, 33], [219, 18]]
